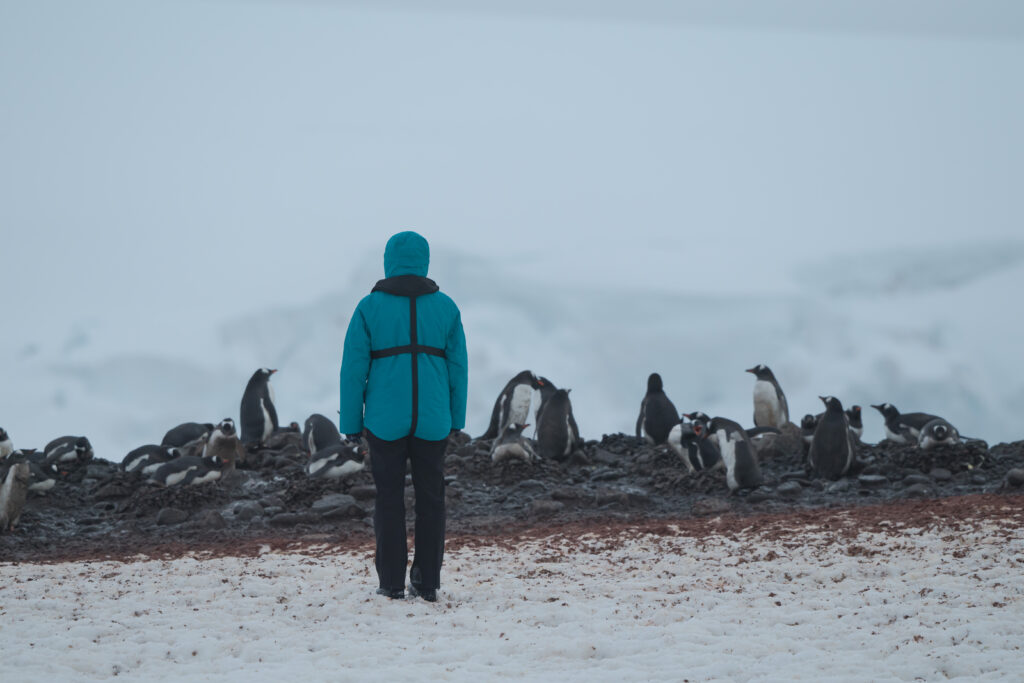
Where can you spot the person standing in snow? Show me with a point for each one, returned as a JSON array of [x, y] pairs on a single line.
[[404, 377]]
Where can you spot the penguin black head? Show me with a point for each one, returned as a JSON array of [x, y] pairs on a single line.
[[698, 417], [761, 371], [887, 410], [83, 449], [809, 422], [526, 377], [654, 383], [832, 404], [265, 372], [3, 435], [227, 427], [940, 431]]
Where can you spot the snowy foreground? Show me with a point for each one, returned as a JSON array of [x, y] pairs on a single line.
[[818, 605]]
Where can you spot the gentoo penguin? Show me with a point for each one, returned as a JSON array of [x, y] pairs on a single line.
[[512, 444], [6, 445], [146, 459], [690, 442], [319, 433], [770, 407], [657, 413], [42, 476], [902, 427], [557, 433], [738, 454], [12, 495], [68, 449], [513, 403], [223, 445], [832, 450], [188, 469], [856, 421], [698, 416], [187, 432], [335, 461], [259, 417], [937, 432]]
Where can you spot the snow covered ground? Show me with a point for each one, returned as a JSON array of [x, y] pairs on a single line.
[[899, 604]]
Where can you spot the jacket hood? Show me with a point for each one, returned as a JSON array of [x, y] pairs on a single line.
[[406, 253]]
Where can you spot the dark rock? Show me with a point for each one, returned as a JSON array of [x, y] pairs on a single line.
[[272, 502], [543, 508], [609, 496], [248, 509], [272, 510], [979, 479], [760, 495], [114, 490], [913, 479], [531, 485], [710, 506], [171, 516], [918, 491], [368, 492], [1015, 477], [332, 501], [789, 489], [234, 479], [211, 519], [840, 486], [293, 518], [603, 457], [568, 493], [872, 481], [941, 474], [606, 474]]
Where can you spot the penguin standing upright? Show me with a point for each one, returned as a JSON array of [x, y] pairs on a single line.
[[512, 444], [657, 413], [6, 445], [223, 446], [903, 427], [770, 407], [12, 495], [557, 433], [832, 450], [258, 414], [738, 454], [319, 433], [937, 432], [513, 403]]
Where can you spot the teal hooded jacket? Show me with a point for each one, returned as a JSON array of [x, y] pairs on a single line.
[[394, 383]]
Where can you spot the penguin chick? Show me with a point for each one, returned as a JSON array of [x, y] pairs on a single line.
[[512, 444]]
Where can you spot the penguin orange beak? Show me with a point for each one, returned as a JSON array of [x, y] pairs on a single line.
[[752, 371], [273, 371]]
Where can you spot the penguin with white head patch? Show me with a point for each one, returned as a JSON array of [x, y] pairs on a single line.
[[146, 459], [832, 448], [65, 450], [258, 414], [319, 433], [511, 444], [770, 407], [689, 441], [186, 432], [937, 432], [738, 454], [336, 461], [557, 433], [807, 426], [513, 403], [6, 445], [856, 421], [12, 495], [903, 427], [223, 445], [658, 415]]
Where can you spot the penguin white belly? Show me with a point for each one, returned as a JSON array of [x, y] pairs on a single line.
[[510, 450], [177, 477], [767, 411], [569, 441], [344, 469], [675, 442], [212, 475], [519, 406], [42, 486], [268, 425], [893, 436], [150, 469], [728, 449], [6, 448]]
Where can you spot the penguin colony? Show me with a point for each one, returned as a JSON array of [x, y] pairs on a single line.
[[196, 453]]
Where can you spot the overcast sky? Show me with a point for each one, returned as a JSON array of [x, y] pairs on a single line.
[[163, 159]]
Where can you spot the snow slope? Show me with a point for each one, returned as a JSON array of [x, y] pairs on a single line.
[[924, 604]]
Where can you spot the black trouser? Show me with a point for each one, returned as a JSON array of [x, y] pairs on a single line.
[[388, 463]]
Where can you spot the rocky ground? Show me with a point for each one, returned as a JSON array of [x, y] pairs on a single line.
[[96, 510]]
